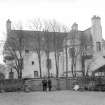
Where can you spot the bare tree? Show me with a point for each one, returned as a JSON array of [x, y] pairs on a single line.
[[65, 30], [37, 24], [85, 47], [55, 28], [47, 50], [52, 30], [79, 47], [74, 51], [15, 45]]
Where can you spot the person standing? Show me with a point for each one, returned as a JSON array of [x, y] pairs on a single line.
[[44, 84], [49, 84]]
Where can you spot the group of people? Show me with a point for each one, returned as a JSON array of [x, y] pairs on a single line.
[[47, 84]]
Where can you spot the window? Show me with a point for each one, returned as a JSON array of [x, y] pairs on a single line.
[[98, 46], [72, 52], [32, 62], [35, 74], [11, 75], [26, 51]]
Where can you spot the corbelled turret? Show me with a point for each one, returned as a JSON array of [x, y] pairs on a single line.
[[96, 29]]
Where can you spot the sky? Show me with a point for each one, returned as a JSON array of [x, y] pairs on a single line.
[[64, 11]]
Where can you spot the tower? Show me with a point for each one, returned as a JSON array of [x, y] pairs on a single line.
[[96, 31], [8, 26]]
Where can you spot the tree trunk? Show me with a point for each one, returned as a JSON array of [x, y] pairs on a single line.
[[47, 53], [75, 66], [66, 68], [56, 63], [39, 58], [20, 74], [83, 65]]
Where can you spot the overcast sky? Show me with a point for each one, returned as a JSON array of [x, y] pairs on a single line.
[[64, 11]]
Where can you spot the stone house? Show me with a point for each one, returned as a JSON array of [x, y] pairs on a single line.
[[89, 49]]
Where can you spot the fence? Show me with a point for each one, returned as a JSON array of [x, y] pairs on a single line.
[[66, 83], [57, 83], [11, 85]]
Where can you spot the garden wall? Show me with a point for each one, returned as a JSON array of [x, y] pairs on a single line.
[[57, 83]]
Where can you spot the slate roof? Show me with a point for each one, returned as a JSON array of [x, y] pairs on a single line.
[[31, 39], [81, 37]]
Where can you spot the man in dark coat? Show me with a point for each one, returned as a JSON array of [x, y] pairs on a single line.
[[49, 84], [44, 83]]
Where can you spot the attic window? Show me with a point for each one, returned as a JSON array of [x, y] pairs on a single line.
[[26, 51]]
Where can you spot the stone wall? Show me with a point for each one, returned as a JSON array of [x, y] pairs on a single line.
[[35, 84]]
